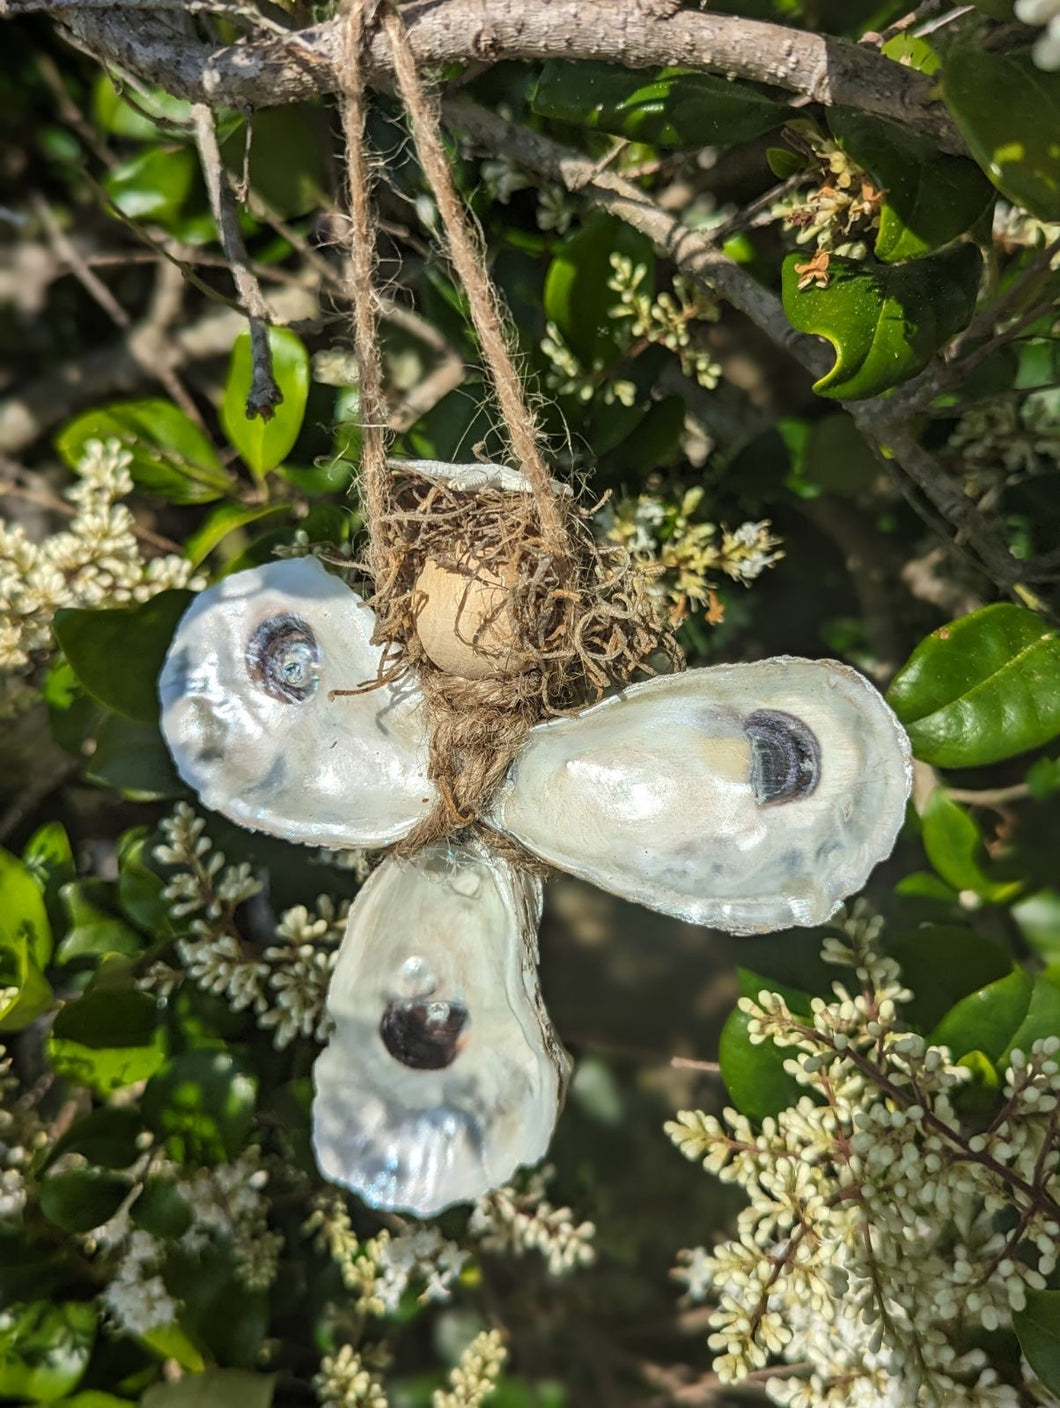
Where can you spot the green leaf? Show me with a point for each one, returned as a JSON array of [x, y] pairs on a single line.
[[1042, 1019], [577, 298], [202, 1105], [675, 107], [171, 1342], [140, 888], [885, 322], [912, 52], [289, 157], [49, 858], [983, 688], [45, 1348], [81, 1199], [153, 185], [954, 846], [941, 963], [132, 758], [264, 443], [93, 929], [108, 1137], [1037, 1327], [161, 1210], [754, 1074], [121, 119], [171, 456], [930, 198], [117, 653], [23, 916], [1039, 919], [1008, 110], [216, 1388], [986, 1020], [25, 946], [108, 1038], [223, 520]]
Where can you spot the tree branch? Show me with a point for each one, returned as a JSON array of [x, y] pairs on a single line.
[[883, 420], [272, 68], [264, 395]]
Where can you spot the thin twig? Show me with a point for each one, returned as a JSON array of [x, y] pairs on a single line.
[[264, 395], [70, 255]]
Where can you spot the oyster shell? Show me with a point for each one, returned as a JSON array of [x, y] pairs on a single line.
[[247, 717], [443, 1074], [472, 477], [749, 797]]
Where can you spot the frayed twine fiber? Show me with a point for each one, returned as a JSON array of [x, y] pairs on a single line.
[[575, 611]]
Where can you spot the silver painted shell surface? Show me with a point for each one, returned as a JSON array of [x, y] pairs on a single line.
[[473, 477], [342, 772], [650, 794], [452, 925]]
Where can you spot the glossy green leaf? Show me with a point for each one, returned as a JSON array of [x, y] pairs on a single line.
[[153, 185], [140, 888], [930, 198], [216, 1388], [80, 1199], [23, 916], [577, 298], [941, 963], [980, 1094], [171, 1342], [44, 1349], [117, 654], [170, 455], [983, 688], [223, 520], [25, 946], [954, 847], [885, 322], [108, 1137], [264, 443], [132, 758], [754, 1074], [202, 1105], [1037, 1327], [93, 929], [108, 1038], [1041, 1020], [49, 858], [986, 1020], [675, 107], [1008, 110]]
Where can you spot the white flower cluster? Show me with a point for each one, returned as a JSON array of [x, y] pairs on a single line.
[[344, 1381], [95, 562], [568, 377], [228, 1207], [1047, 13], [878, 1233], [517, 1221], [1001, 443], [286, 984], [666, 320], [473, 1380], [136, 1296], [22, 1136], [679, 556], [840, 214], [380, 1270]]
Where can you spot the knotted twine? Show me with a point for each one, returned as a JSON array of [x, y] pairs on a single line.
[[579, 617]]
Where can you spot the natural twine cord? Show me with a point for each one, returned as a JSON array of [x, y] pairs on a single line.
[[577, 611]]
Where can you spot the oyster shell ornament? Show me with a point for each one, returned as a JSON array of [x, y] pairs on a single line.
[[748, 797]]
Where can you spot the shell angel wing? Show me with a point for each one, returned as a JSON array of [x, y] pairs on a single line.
[[247, 717], [748, 797], [443, 1074]]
